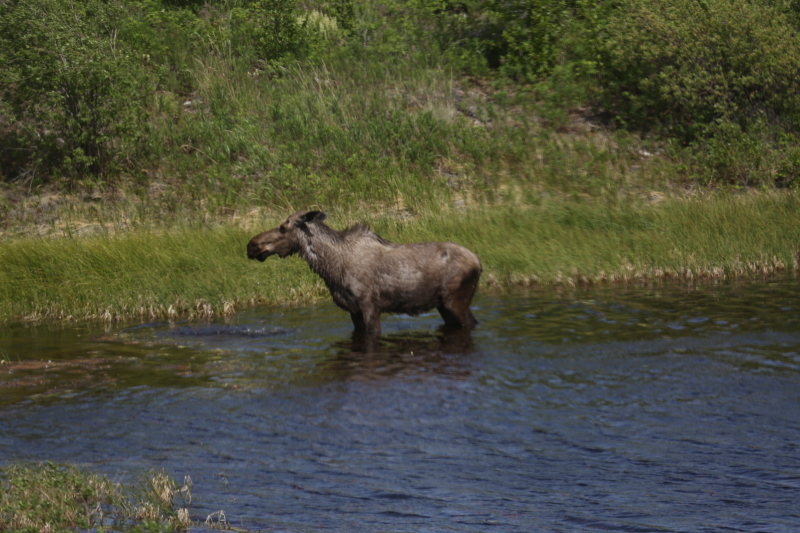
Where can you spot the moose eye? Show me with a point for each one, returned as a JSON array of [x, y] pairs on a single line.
[[282, 229]]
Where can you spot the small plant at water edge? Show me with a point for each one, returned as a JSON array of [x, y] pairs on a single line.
[[56, 498]]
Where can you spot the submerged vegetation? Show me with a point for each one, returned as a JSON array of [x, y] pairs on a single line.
[[55, 498], [142, 142]]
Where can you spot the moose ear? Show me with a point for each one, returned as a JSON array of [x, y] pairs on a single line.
[[313, 216]]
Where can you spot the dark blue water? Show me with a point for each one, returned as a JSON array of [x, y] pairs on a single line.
[[667, 409]]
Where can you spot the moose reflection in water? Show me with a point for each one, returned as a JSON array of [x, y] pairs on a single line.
[[368, 275], [443, 353]]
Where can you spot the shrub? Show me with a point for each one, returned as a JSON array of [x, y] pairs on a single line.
[[273, 29], [757, 155], [74, 96], [521, 39], [168, 39], [685, 65]]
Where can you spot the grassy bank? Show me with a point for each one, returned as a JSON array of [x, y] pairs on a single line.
[[55, 498], [202, 271], [228, 104], [144, 141]]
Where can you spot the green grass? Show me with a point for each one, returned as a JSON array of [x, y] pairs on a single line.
[[333, 134], [387, 116], [401, 106], [381, 118], [588, 242], [203, 271], [64, 498], [182, 272]]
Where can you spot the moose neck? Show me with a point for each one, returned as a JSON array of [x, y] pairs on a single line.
[[323, 254]]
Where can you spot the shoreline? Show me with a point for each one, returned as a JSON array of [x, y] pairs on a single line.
[[202, 272]]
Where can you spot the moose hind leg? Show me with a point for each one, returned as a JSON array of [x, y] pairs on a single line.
[[455, 305]]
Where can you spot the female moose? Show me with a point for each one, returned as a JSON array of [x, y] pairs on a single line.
[[368, 275]]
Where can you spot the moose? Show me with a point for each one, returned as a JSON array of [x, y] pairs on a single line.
[[368, 275]]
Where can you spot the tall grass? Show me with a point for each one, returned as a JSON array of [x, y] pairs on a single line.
[[203, 271], [335, 132], [395, 98], [50, 497], [379, 119], [335, 135], [183, 272], [566, 242]]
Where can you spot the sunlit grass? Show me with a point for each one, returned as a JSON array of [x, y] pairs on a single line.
[[359, 126], [373, 128], [203, 271], [722, 237], [147, 274], [47, 497]]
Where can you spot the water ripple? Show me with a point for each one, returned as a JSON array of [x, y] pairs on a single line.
[[664, 409]]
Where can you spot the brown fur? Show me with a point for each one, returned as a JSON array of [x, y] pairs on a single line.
[[368, 275]]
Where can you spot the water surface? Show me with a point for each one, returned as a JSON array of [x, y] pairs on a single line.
[[650, 409]]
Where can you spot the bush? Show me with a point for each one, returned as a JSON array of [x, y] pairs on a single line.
[[73, 96], [755, 156], [168, 38], [272, 29], [684, 66], [520, 39]]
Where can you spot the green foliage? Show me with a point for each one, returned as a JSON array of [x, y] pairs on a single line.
[[272, 29], [168, 39], [685, 65], [264, 32], [756, 155], [343, 11], [276, 101], [75, 96], [79, 90], [61, 499], [202, 272], [791, 8], [520, 39], [719, 78]]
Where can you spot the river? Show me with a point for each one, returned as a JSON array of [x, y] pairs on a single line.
[[663, 409]]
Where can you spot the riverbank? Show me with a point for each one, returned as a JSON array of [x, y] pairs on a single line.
[[200, 270], [557, 163]]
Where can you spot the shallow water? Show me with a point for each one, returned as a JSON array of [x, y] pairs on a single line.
[[637, 410]]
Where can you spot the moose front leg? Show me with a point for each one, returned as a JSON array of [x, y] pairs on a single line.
[[368, 320], [358, 321]]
